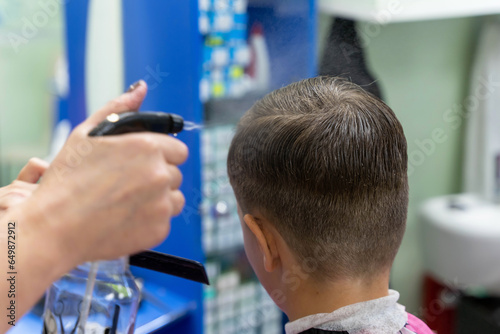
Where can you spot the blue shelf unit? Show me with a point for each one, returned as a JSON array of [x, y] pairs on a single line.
[[163, 36]]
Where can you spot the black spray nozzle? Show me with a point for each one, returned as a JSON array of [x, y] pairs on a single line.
[[131, 121], [177, 123]]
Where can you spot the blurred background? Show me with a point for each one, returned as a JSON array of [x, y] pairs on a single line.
[[435, 63]]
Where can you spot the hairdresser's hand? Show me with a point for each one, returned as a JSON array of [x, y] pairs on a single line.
[[101, 198], [23, 186], [105, 197]]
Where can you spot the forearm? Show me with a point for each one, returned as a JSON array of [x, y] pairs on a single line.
[[32, 264]]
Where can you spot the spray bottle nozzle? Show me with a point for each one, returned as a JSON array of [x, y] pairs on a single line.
[[177, 123]]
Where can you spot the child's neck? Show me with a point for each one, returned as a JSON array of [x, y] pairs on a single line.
[[312, 298]]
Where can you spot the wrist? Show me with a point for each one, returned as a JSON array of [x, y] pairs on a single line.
[[34, 259], [39, 244]]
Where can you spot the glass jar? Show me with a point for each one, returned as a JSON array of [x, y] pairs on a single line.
[[114, 304]]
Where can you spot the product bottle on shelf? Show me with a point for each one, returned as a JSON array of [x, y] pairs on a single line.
[[260, 65]]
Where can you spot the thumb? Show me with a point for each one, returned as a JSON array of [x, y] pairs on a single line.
[[33, 170], [129, 101]]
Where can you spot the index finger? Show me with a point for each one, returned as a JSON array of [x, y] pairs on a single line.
[[128, 101], [173, 150]]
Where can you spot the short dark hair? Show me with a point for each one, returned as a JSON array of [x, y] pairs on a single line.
[[325, 162]]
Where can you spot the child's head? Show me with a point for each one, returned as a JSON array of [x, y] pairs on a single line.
[[325, 163]]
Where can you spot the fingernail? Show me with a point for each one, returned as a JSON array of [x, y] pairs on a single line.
[[133, 86]]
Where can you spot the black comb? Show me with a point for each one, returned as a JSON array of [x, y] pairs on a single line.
[[171, 265]]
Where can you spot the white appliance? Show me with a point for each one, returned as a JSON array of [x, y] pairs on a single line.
[[461, 233]]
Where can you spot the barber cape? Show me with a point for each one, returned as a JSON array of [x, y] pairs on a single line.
[[379, 316]]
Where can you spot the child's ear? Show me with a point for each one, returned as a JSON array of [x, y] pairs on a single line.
[[266, 241]]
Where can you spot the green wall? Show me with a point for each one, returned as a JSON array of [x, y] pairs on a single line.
[[423, 69], [30, 42]]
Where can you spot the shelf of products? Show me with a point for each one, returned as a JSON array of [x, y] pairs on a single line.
[[238, 305], [226, 52], [221, 227]]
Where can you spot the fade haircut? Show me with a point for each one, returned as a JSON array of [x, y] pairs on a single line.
[[325, 162]]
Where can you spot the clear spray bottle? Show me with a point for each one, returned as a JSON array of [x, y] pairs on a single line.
[[112, 301]]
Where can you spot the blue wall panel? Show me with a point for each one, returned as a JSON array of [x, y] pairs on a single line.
[[162, 46], [75, 19]]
